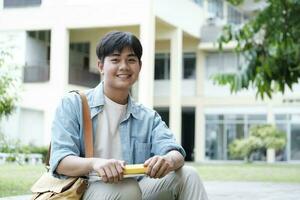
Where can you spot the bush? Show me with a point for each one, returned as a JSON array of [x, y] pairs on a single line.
[[261, 138], [15, 148]]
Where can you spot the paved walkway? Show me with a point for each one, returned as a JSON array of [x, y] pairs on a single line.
[[238, 191], [252, 191]]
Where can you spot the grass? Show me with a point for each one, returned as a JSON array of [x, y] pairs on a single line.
[[17, 180], [289, 173]]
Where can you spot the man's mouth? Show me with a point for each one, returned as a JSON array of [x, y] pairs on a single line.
[[123, 75]]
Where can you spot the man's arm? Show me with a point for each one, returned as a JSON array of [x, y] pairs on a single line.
[[110, 170]]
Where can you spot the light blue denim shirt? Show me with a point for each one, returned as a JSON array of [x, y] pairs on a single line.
[[143, 134]]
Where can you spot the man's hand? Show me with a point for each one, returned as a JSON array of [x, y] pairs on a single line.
[[159, 166], [110, 170]]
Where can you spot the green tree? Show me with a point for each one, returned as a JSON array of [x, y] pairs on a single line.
[[270, 45], [8, 85], [262, 137]]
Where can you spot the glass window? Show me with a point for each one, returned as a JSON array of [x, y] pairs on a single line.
[[295, 141], [20, 3], [42, 35], [221, 133], [234, 16], [164, 113], [162, 66], [216, 7], [226, 62], [214, 141], [189, 66], [31, 34]]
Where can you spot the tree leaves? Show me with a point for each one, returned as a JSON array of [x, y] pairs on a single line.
[[8, 93], [270, 44]]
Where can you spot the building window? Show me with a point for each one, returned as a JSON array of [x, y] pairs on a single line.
[[40, 35], [162, 66], [290, 124], [234, 16], [21, 3], [226, 62], [164, 114], [222, 130], [189, 66], [216, 7], [80, 55]]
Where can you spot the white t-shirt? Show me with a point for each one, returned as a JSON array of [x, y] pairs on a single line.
[[107, 140]]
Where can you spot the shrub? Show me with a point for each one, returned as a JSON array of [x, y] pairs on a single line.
[[261, 138]]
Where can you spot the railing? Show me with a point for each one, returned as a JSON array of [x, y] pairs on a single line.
[[34, 74], [21, 3], [83, 77]]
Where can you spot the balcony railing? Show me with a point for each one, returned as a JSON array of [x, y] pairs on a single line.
[[78, 76], [35, 74], [21, 3], [210, 33]]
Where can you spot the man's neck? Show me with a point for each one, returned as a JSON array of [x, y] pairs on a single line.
[[118, 96]]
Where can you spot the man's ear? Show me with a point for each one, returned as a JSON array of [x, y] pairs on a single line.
[[100, 66]]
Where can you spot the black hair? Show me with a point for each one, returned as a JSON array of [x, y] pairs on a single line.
[[117, 41]]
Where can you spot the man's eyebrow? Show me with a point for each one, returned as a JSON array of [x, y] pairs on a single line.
[[132, 54], [115, 54]]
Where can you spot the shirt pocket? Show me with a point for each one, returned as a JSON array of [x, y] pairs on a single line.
[[142, 152]]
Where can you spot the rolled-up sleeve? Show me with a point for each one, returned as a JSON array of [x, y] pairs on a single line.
[[163, 139], [65, 138]]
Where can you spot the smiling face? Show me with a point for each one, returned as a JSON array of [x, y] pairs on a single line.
[[120, 70]]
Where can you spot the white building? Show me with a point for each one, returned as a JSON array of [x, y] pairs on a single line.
[[54, 41]]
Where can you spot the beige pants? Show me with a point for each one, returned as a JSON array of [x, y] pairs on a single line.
[[184, 184]]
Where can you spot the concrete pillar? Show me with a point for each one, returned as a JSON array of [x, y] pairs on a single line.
[[200, 117], [59, 73], [147, 37], [271, 157], [175, 83], [59, 58]]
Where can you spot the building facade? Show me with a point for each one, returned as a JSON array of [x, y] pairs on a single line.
[[54, 42]]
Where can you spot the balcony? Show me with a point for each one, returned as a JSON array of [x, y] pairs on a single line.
[[210, 33], [36, 74], [83, 77], [21, 3]]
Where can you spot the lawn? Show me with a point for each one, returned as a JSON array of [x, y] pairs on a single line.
[[17, 180], [289, 173]]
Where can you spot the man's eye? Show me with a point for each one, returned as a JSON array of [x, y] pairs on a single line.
[[114, 60], [132, 60]]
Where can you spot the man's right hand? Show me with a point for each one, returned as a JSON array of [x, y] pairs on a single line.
[[110, 170]]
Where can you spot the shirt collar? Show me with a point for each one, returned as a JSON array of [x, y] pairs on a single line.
[[98, 100]]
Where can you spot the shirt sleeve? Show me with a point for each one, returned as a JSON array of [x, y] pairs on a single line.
[[65, 138], [163, 139]]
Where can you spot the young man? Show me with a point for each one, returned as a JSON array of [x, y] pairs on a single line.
[[124, 133]]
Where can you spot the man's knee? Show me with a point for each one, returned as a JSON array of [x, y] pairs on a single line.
[[128, 189]]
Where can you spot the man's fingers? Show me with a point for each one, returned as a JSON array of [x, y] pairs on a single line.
[[150, 165], [146, 163], [115, 173], [103, 175], [162, 170], [120, 171], [156, 167], [109, 174]]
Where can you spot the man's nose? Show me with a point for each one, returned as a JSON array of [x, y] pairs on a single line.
[[123, 65]]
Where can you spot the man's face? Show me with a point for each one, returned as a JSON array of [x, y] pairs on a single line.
[[120, 69]]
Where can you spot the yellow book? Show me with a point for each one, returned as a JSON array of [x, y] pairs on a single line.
[[135, 169]]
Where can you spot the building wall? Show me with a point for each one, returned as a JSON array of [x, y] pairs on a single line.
[[74, 21]]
